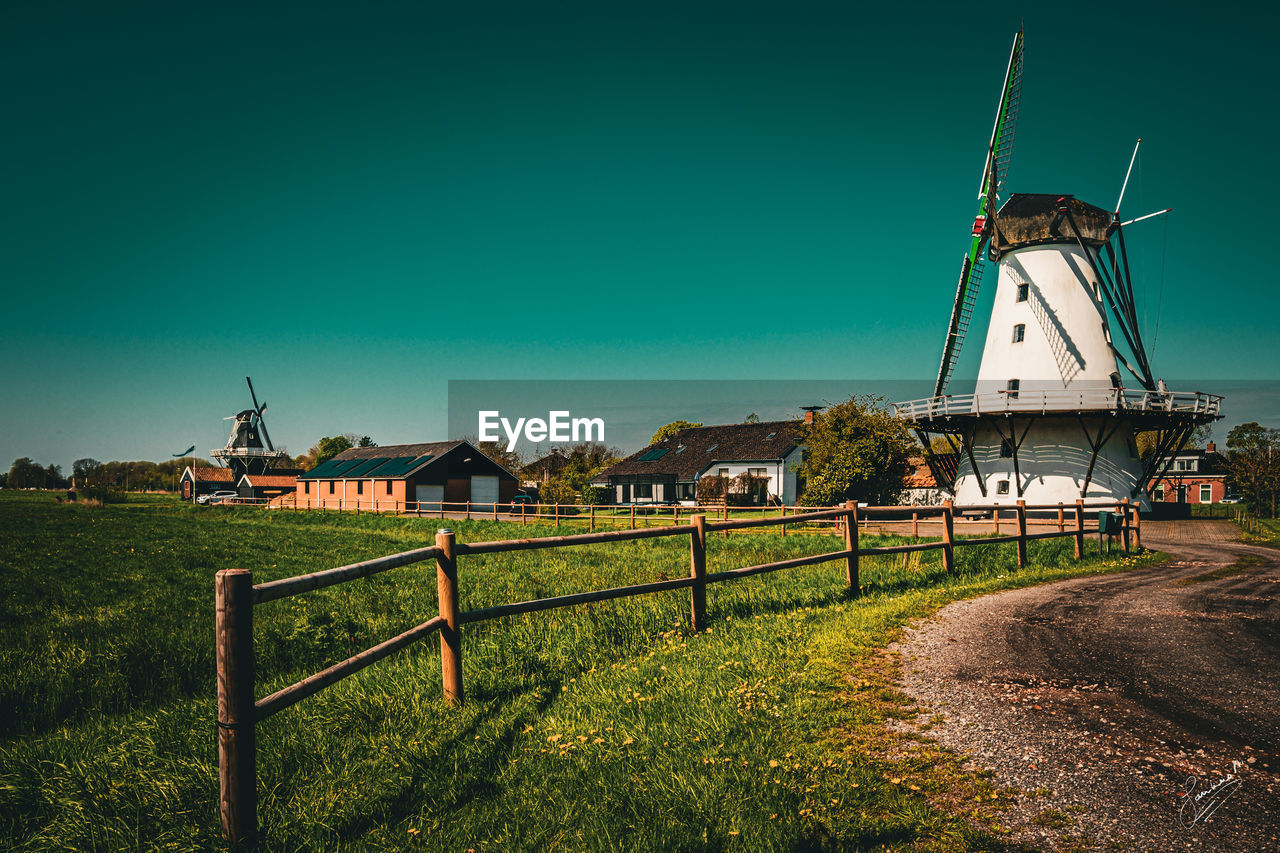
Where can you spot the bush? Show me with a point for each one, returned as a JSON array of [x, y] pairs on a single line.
[[597, 495]]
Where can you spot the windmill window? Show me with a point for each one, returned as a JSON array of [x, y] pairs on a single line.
[[1019, 332], [1012, 388], [1006, 449], [1002, 487], [1023, 290]]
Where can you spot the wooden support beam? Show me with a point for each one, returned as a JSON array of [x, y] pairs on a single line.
[[851, 545], [1022, 534], [698, 571], [447, 596]]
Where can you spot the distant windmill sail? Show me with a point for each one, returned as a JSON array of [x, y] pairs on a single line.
[[995, 170], [187, 452]]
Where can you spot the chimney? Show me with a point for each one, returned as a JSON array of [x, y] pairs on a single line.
[[1210, 448], [809, 412]]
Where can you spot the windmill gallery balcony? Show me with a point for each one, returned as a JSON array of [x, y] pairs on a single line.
[[1156, 405]]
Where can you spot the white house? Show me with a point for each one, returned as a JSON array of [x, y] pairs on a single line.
[[669, 471]]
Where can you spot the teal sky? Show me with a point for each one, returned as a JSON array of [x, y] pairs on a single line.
[[355, 203]]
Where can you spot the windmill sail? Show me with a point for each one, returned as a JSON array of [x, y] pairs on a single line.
[[995, 170]]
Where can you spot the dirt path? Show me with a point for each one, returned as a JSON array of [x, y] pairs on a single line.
[[1106, 693]]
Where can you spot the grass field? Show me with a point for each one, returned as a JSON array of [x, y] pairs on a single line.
[[605, 726]]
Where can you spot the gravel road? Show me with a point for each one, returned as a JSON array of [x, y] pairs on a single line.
[[1105, 694]]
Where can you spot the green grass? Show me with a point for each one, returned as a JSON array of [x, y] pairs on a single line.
[[606, 726]]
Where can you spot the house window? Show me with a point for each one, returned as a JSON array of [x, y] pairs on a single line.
[[1012, 388], [331, 487], [306, 487], [1206, 493], [758, 472], [642, 490], [1184, 465], [685, 491], [1157, 494], [359, 487], [712, 447], [388, 487], [723, 472], [1006, 449], [1022, 292], [769, 436], [1002, 487], [1019, 332]]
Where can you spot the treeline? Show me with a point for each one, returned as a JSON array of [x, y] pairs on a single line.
[[138, 476]]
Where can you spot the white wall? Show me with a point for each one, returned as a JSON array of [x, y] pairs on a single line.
[[1052, 462]]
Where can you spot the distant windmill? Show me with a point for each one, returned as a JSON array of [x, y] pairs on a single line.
[[1050, 419], [249, 449]]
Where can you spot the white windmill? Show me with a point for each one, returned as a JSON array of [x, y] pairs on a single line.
[[1051, 418]]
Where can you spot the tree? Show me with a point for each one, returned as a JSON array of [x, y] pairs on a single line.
[[329, 447], [856, 450], [365, 441], [497, 451], [24, 474], [86, 470], [556, 491], [666, 431], [1253, 463], [584, 461], [752, 418]]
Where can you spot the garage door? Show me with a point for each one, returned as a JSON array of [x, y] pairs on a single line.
[[484, 491], [429, 497]]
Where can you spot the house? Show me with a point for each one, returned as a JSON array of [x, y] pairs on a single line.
[[453, 472], [206, 481], [538, 472], [271, 484], [920, 488], [669, 471], [1194, 476]]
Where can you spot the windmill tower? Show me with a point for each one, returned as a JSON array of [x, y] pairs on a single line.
[[249, 449], [1051, 418]]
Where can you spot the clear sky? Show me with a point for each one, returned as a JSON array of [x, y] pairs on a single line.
[[355, 203]]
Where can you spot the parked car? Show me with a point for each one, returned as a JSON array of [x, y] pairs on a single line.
[[517, 499], [1230, 499], [218, 497]]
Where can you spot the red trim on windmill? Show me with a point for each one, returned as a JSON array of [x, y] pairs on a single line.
[[978, 225]]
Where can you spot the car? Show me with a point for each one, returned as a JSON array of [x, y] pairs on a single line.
[[518, 499], [1230, 499], [221, 497]]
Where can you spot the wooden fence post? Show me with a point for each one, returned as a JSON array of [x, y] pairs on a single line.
[[698, 571], [468, 509], [1022, 534], [784, 521], [675, 515], [1079, 528], [915, 523], [447, 596], [524, 518], [726, 515], [557, 514], [1062, 521], [1124, 521], [495, 510], [948, 535], [995, 516], [237, 752], [851, 544], [592, 510], [1137, 527]]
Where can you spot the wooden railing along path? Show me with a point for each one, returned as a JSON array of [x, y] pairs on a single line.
[[236, 597]]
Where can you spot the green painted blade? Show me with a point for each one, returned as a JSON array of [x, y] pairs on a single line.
[[995, 169]]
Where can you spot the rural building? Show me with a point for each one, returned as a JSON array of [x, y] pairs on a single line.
[[1194, 476], [538, 472], [270, 485], [920, 487], [669, 471], [206, 481], [454, 472]]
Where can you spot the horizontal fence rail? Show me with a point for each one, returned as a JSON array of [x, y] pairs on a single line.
[[236, 596]]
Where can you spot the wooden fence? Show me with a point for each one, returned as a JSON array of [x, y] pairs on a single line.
[[236, 597]]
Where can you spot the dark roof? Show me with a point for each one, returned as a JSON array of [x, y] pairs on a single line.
[[703, 446], [1029, 219], [553, 463], [393, 462]]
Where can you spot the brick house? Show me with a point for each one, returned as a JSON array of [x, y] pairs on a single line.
[[206, 481], [1194, 476], [453, 472]]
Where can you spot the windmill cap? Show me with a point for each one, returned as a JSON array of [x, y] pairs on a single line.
[[1031, 219]]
